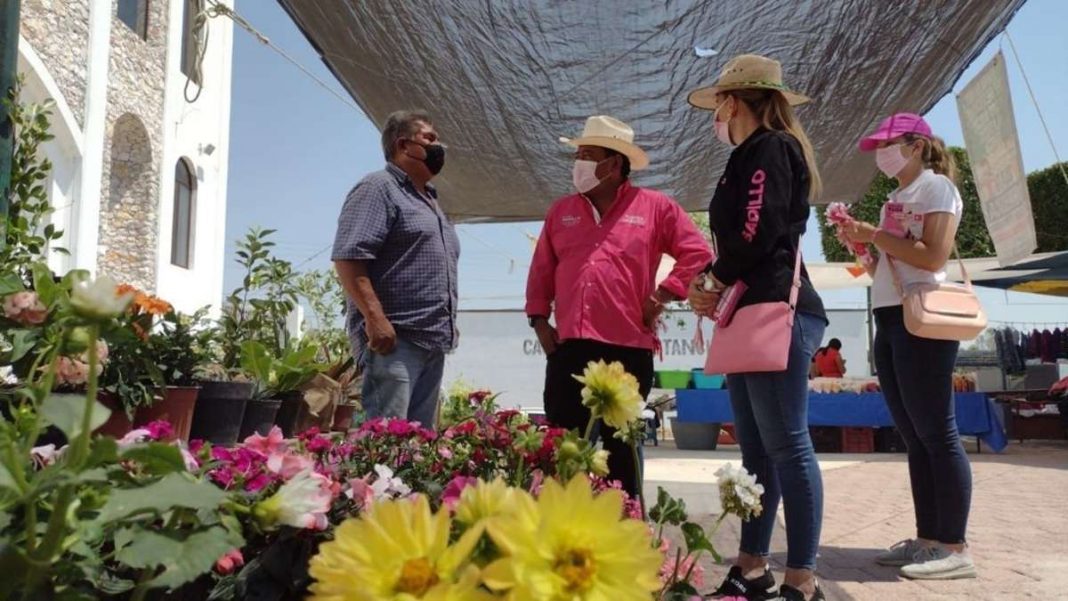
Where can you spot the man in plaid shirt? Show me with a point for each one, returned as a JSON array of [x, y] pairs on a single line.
[[395, 253]]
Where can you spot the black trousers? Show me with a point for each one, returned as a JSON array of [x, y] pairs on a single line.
[[563, 396]]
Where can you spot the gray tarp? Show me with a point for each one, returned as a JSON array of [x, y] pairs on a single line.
[[504, 79]]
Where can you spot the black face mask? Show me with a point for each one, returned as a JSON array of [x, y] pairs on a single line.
[[435, 157]]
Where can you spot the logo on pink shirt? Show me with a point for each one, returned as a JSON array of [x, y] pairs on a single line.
[[570, 220], [633, 220], [752, 208]]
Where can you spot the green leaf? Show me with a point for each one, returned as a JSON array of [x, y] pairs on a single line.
[[181, 560], [157, 457], [123, 537], [6, 479], [22, 342], [697, 541], [44, 284], [65, 411], [668, 510], [173, 490], [103, 451], [10, 284]]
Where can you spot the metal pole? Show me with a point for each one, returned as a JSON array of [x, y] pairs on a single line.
[[9, 51]]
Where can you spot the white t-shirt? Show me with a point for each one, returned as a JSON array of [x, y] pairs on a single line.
[[903, 214]]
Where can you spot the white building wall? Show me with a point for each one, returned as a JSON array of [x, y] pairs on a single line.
[[189, 128]]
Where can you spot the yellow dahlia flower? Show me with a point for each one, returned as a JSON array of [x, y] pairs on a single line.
[[485, 501], [574, 548], [397, 551], [611, 393]]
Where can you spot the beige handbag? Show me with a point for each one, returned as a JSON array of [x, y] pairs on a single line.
[[941, 311]]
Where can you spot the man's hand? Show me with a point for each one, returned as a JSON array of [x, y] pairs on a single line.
[[652, 308], [381, 336], [547, 336], [703, 302]]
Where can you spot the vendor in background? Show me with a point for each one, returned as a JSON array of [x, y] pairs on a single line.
[[828, 362]]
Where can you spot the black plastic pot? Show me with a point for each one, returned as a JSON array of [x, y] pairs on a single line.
[[219, 411], [695, 436], [289, 413], [259, 417]]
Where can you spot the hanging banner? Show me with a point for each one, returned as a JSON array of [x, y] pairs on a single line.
[[989, 126]]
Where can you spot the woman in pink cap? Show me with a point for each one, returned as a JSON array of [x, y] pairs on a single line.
[[915, 237]]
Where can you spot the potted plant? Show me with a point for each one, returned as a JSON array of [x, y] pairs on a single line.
[[173, 349], [225, 390], [279, 383], [131, 380]]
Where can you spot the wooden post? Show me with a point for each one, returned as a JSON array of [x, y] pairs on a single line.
[[9, 52]]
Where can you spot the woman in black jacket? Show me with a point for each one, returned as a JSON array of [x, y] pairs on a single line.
[[758, 215]]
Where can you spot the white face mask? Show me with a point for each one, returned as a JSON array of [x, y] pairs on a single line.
[[890, 160], [584, 175], [723, 132]]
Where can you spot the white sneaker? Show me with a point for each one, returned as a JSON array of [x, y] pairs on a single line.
[[901, 554], [939, 563]]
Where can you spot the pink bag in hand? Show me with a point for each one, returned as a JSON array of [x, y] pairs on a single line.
[[757, 338]]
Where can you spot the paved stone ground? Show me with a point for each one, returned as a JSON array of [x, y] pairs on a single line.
[[1018, 525]]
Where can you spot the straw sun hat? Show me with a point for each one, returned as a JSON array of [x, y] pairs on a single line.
[[746, 72]]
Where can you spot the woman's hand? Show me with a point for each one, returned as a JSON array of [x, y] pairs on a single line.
[[860, 232], [703, 302]]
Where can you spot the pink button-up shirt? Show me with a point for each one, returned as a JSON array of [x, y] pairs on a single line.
[[596, 271]]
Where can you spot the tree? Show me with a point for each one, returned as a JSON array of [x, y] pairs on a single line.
[[1049, 203], [973, 239]]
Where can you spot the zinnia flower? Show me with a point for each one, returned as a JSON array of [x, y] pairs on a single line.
[[98, 299], [611, 393], [397, 551], [574, 547], [25, 307], [302, 503]]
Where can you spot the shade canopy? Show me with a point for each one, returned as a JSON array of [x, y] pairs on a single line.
[[504, 79]]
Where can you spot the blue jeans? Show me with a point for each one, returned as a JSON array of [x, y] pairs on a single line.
[[404, 384], [916, 375], [771, 422]]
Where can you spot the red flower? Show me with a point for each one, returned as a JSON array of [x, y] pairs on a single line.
[[230, 561]]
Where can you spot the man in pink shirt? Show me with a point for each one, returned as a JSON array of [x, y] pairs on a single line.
[[594, 270]]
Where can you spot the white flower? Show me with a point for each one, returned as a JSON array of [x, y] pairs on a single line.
[[134, 437], [46, 455], [301, 503], [739, 492], [99, 298], [388, 487]]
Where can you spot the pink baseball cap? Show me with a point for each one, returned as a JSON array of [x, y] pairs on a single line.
[[893, 126]]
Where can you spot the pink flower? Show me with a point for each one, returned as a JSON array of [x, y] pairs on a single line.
[[257, 483], [133, 437], [230, 561], [318, 444], [301, 503], [274, 442], [668, 568], [159, 430], [374, 426], [445, 452], [360, 493], [189, 459], [45, 455], [71, 372], [399, 427], [25, 308], [451, 495], [288, 465]]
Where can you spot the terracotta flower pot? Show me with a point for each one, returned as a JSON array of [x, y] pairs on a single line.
[[176, 407], [343, 417], [118, 424]]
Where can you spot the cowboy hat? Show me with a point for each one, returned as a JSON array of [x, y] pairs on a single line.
[[746, 72], [613, 134]]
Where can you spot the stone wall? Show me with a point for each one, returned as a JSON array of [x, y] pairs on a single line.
[[129, 219], [58, 30]]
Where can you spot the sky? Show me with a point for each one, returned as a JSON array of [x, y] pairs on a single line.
[[296, 150]]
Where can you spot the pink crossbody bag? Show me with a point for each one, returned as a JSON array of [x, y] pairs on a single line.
[[755, 338], [941, 311]]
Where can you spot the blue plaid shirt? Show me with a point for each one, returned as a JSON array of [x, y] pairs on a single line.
[[411, 251]]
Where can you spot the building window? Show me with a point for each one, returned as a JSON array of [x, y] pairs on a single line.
[[189, 42], [134, 13], [184, 212]]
